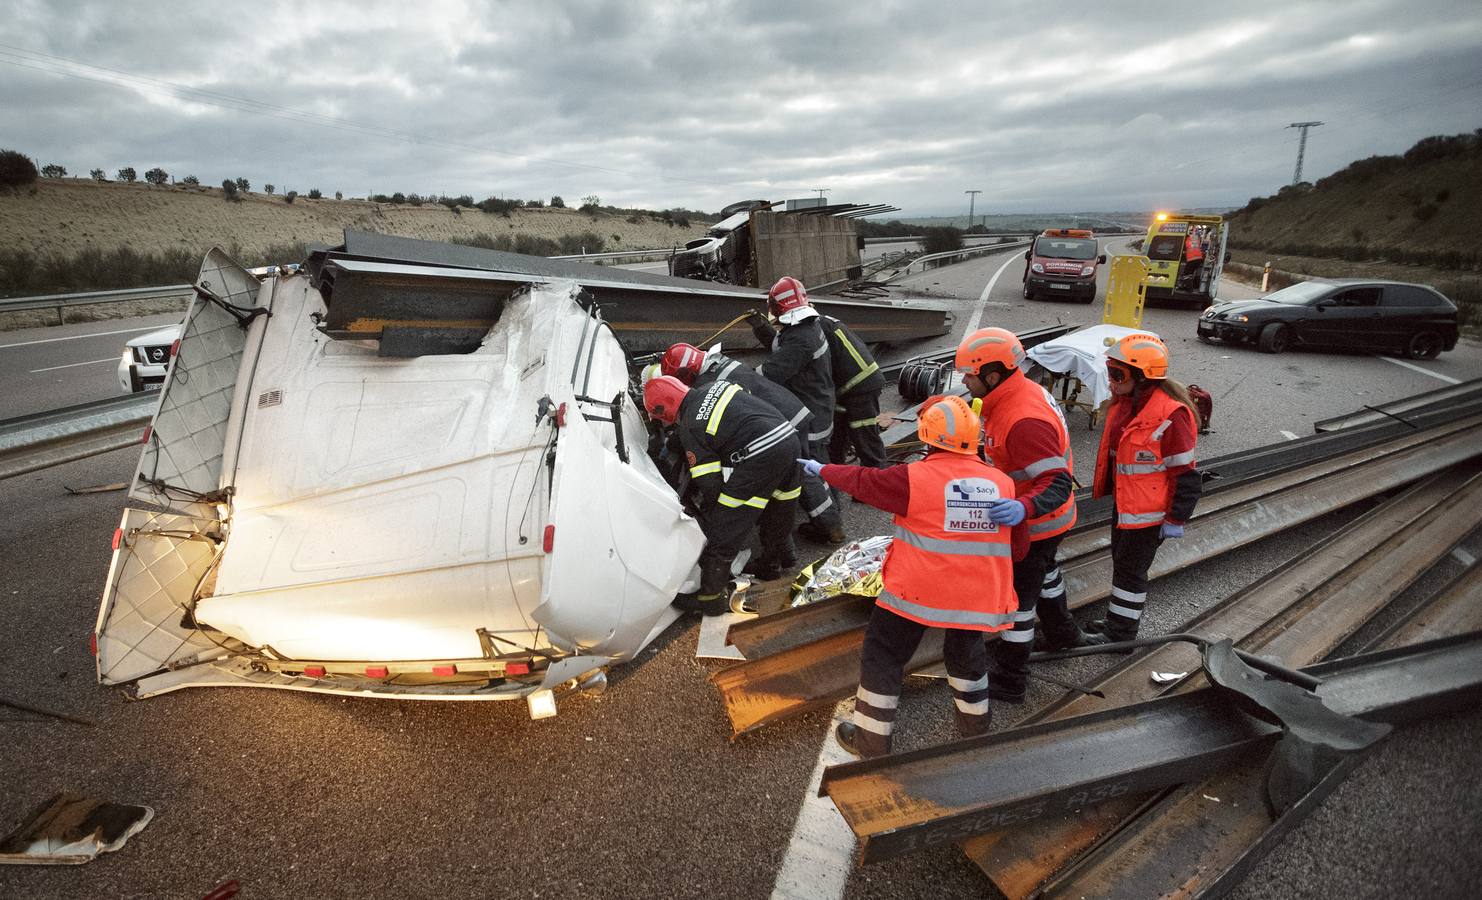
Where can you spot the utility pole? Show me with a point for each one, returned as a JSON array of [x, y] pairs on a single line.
[[821, 192], [972, 199], [1301, 146]]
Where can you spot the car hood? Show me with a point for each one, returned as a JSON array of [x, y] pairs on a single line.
[[165, 335], [1246, 307]]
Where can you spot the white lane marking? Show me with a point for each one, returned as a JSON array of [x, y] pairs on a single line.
[[1288, 435], [78, 337], [1414, 368], [1464, 557], [91, 362], [821, 851], [972, 324]]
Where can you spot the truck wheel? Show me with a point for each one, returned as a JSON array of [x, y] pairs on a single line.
[[1273, 338], [1424, 345]]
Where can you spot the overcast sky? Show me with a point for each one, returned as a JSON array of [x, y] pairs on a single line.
[[1064, 106]]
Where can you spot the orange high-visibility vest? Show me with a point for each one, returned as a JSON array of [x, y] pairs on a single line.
[[949, 566], [1144, 489], [1003, 408]]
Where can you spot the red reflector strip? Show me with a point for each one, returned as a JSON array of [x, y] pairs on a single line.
[[517, 668], [376, 672], [561, 416], [314, 671], [148, 433], [117, 537], [549, 540], [92, 643], [445, 670], [175, 349]]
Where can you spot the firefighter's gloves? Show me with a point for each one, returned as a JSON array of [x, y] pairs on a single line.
[[811, 467], [1170, 530], [1006, 512]]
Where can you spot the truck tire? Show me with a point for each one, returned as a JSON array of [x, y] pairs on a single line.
[[1424, 345], [1273, 338]]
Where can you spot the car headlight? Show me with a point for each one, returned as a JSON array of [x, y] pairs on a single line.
[[1240, 318], [1207, 314], [1086, 270], [1037, 267]]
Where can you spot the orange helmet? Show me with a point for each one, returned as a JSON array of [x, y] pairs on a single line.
[[787, 295], [949, 423], [683, 361], [1145, 352], [989, 345], [662, 396]]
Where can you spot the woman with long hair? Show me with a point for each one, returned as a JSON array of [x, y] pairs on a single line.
[[1146, 463]]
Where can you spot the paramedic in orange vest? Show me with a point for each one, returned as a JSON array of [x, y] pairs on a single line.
[[1146, 463], [949, 566]]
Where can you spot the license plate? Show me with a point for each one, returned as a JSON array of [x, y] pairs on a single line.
[[153, 385], [1059, 287]]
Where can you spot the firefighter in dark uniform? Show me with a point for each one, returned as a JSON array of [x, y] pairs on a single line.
[[857, 387], [697, 369], [723, 428], [800, 363]]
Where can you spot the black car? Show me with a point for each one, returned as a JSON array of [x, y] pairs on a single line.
[[1413, 319]]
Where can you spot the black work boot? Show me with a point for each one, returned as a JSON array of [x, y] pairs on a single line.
[[822, 534], [969, 725], [1003, 684], [861, 742], [704, 604]]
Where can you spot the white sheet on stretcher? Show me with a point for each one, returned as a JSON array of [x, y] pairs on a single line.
[[1082, 354]]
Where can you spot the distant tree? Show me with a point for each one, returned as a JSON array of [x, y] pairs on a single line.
[[941, 239], [535, 204], [290, 196], [128, 174], [414, 199], [398, 197], [156, 176], [557, 202], [53, 171], [269, 188], [338, 195], [243, 185], [97, 175], [229, 189], [191, 180], [16, 170], [590, 202], [314, 194]]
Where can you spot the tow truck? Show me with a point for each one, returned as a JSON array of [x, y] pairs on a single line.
[[1186, 255], [1062, 263]]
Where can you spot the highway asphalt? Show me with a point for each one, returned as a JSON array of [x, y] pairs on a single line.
[[637, 792]]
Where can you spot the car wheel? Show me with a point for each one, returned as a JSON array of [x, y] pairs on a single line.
[[1273, 338], [1424, 345], [1028, 294]]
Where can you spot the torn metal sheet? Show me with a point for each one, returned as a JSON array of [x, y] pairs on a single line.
[[907, 802], [1184, 847], [70, 829], [1297, 614], [712, 643]]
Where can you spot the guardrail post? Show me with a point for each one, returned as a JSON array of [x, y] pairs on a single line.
[[1266, 276]]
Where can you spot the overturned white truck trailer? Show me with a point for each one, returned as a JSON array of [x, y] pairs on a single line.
[[482, 524]]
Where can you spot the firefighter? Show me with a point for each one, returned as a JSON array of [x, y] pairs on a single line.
[[799, 362], [1024, 435], [1146, 463], [857, 387], [950, 566], [723, 427], [696, 368]]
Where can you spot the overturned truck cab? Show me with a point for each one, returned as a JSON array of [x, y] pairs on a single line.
[[343, 493]]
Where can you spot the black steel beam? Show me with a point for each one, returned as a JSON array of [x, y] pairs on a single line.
[[911, 801]]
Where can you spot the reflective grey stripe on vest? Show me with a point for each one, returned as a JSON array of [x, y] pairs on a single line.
[[769, 440], [1051, 524], [824, 434], [724, 373], [1179, 459], [798, 417], [1139, 468], [951, 548], [949, 616], [1139, 518], [1162, 427], [1039, 467], [822, 349]]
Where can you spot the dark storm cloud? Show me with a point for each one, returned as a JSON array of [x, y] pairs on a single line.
[[701, 103]]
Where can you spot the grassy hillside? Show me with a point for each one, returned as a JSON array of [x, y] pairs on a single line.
[[1423, 207], [76, 234]]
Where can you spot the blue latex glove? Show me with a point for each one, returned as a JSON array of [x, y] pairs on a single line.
[[1170, 530], [811, 466], [1006, 512]]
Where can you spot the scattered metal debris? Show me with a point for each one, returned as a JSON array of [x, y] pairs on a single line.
[[69, 830]]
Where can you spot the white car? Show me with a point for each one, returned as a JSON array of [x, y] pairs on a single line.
[[145, 359], [339, 517]]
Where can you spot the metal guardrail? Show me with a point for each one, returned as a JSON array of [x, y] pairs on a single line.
[[60, 301], [41, 440], [619, 254], [965, 252]]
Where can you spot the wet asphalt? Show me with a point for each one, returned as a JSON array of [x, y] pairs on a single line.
[[637, 792]]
